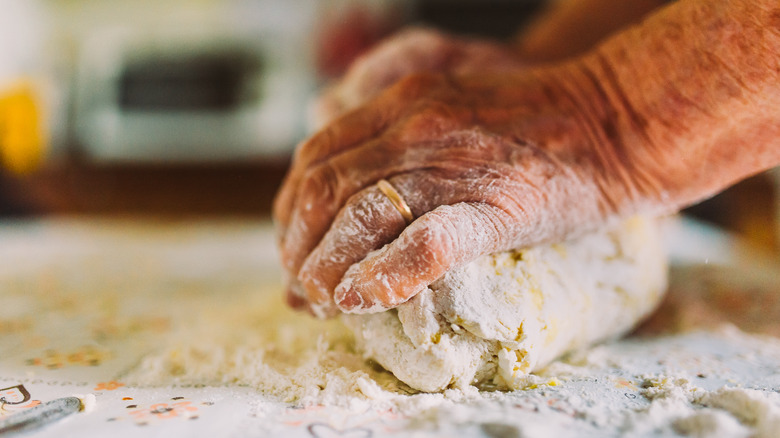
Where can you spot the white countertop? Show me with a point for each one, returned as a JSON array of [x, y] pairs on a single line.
[[83, 301]]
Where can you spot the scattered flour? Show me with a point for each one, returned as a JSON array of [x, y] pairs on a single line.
[[290, 357], [637, 387], [707, 384], [677, 404]]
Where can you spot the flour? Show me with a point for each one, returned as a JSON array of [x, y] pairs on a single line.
[[180, 306], [288, 356], [299, 360], [715, 383], [677, 404]]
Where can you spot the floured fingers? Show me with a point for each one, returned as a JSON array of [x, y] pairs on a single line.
[[370, 220], [448, 236], [367, 222]]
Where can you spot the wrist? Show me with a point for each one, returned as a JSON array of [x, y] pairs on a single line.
[[684, 104]]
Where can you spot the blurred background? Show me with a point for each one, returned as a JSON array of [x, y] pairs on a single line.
[[193, 107]]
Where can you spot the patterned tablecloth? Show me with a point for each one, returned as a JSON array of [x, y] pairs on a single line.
[[83, 301]]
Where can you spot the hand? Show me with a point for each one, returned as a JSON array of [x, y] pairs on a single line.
[[565, 29], [486, 163], [414, 50], [660, 116]]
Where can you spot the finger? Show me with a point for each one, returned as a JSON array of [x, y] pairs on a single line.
[[441, 239], [321, 194], [414, 50], [367, 222], [296, 299], [354, 128], [294, 292], [425, 138]]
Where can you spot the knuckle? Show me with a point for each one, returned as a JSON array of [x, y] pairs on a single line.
[[304, 151], [323, 144], [509, 201], [310, 150], [430, 119], [320, 186], [437, 239], [498, 191]]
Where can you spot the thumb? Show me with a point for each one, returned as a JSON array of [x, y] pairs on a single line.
[[448, 236]]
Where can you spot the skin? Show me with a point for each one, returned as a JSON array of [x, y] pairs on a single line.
[[659, 116], [572, 27], [412, 51]]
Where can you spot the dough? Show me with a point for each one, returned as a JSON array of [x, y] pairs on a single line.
[[505, 315]]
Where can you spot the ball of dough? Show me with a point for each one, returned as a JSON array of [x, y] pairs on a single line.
[[502, 316]]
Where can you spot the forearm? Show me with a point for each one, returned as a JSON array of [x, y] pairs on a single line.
[[571, 27], [686, 103]]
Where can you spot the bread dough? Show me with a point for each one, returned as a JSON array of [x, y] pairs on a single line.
[[502, 316]]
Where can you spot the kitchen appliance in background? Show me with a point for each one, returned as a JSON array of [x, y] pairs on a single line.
[[184, 82], [224, 80], [178, 107]]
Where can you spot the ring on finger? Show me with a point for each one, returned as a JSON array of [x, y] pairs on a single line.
[[396, 199]]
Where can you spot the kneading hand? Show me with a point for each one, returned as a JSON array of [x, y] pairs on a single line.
[[484, 167], [647, 123]]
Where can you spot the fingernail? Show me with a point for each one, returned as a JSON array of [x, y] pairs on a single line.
[[349, 300]]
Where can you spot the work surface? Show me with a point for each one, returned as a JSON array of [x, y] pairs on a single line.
[[177, 328]]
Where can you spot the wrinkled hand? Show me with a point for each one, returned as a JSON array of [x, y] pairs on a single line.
[[415, 50], [660, 116], [486, 163]]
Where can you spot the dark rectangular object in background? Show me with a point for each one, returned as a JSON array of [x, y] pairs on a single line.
[[186, 83], [493, 18]]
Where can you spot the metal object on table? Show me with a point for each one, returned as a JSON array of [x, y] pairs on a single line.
[[39, 416]]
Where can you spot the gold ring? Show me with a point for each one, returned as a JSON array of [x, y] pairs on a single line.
[[395, 198]]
